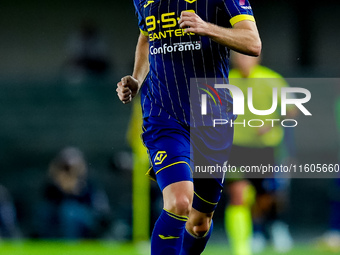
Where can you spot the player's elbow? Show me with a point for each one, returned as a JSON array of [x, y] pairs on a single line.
[[254, 48]]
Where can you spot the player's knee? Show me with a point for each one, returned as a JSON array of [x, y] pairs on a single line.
[[202, 228], [180, 205], [199, 223], [178, 198]]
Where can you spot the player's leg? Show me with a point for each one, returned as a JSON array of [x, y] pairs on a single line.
[[279, 229], [263, 203], [169, 149], [210, 147], [168, 231], [238, 220], [200, 225], [175, 181], [334, 220], [197, 232], [178, 197], [330, 240]]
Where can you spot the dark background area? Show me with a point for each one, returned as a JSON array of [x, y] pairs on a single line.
[[41, 112]]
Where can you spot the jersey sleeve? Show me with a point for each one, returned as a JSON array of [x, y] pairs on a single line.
[[141, 20], [238, 10]]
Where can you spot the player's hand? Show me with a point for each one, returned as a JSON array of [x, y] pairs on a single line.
[[192, 23], [127, 88]]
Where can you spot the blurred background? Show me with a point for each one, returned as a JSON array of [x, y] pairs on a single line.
[[59, 65]]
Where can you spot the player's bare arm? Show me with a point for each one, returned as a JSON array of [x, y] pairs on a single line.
[[129, 85], [243, 37]]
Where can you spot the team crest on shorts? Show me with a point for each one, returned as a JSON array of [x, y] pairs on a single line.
[[160, 156]]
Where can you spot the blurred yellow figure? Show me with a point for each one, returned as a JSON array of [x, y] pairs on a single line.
[[141, 184], [254, 146]]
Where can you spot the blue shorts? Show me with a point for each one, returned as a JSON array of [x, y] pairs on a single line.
[[175, 150]]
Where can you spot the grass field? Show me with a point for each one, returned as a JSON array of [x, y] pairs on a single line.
[[113, 248]]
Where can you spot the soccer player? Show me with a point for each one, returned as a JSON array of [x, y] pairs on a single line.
[[255, 146], [180, 40]]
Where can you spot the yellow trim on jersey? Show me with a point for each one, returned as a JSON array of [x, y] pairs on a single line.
[[241, 17], [176, 216], [179, 162], [148, 174], [144, 32], [168, 237], [205, 200], [148, 3], [172, 216]]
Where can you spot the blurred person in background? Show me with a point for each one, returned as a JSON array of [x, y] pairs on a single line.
[[87, 53], [141, 185], [73, 208], [146, 195], [331, 239], [256, 203], [8, 219]]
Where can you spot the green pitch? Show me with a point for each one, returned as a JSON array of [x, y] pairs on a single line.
[[113, 248]]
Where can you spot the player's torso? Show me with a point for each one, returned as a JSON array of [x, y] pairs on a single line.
[[176, 56], [162, 16], [173, 50]]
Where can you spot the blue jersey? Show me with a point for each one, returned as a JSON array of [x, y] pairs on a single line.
[[176, 57]]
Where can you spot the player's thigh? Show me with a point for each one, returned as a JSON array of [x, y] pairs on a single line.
[[207, 194], [211, 149], [168, 145]]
